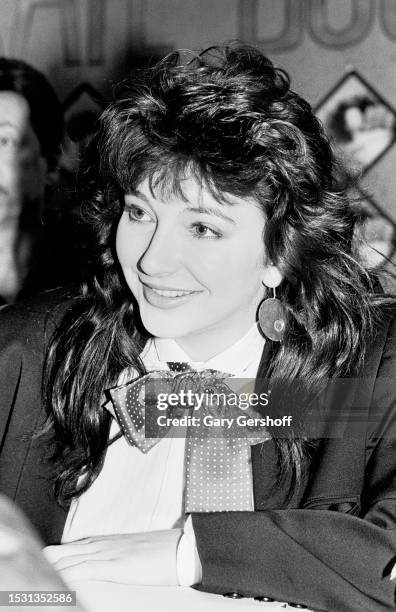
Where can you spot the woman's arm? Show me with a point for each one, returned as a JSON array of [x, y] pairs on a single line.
[[324, 559], [147, 558], [167, 557]]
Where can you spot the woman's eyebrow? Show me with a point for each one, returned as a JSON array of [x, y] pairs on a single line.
[[137, 194], [209, 210], [205, 210]]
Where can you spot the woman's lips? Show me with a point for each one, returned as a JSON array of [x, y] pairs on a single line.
[[170, 292], [167, 298]]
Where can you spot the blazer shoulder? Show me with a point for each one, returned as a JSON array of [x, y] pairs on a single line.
[[384, 341], [381, 371], [32, 321]]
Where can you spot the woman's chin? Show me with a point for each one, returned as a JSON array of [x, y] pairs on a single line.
[[159, 329]]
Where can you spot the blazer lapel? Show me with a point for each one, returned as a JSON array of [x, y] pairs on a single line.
[[264, 457], [336, 471]]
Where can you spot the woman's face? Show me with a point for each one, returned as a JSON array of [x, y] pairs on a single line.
[[195, 266]]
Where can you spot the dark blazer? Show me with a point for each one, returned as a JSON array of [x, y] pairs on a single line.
[[333, 549]]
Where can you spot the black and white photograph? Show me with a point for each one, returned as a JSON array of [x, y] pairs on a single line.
[[375, 231], [198, 305], [361, 125]]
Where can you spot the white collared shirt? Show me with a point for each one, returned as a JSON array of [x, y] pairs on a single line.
[[147, 493]]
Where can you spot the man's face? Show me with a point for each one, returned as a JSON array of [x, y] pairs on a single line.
[[22, 166]]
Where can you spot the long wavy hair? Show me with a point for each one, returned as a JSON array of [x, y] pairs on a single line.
[[228, 117]]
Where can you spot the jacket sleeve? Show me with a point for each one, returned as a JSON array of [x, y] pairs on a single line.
[[323, 559]]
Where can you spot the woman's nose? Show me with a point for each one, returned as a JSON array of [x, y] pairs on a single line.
[[161, 255]]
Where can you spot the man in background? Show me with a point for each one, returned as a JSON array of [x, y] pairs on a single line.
[[31, 129]]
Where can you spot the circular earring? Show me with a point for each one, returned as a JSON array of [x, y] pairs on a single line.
[[272, 318]]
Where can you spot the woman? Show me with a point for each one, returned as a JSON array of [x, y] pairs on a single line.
[[211, 191]]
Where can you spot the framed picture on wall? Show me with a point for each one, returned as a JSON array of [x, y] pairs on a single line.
[[81, 109], [359, 121], [375, 232]]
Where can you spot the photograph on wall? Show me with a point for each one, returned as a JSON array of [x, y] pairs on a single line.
[[375, 231], [81, 110], [360, 123]]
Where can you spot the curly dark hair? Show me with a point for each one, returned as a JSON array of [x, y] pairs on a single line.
[[228, 117]]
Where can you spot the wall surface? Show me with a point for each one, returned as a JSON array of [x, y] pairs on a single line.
[[97, 41]]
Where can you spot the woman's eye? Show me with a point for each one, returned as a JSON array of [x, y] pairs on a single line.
[[135, 213], [203, 231]]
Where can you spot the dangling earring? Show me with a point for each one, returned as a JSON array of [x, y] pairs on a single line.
[[272, 318]]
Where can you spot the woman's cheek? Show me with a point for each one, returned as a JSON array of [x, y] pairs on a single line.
[[125, 243]]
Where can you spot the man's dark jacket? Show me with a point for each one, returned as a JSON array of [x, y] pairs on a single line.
[[333, 549]]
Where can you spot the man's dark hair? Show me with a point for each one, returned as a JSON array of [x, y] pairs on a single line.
[[45, 110]]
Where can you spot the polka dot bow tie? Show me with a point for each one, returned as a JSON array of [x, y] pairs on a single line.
[[217, 467]]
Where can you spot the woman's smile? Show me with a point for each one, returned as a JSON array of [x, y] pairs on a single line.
[[166, 298]]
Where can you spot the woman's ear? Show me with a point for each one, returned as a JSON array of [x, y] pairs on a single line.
[[272, 276]]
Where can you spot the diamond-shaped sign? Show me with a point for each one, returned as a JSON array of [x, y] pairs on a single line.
[[375, 233], [359, 121]]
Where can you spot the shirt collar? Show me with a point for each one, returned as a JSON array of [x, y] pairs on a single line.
[[240, 358]]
